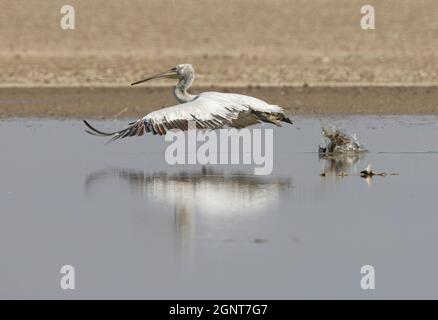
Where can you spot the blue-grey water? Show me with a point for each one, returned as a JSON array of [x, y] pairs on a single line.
[[133, 226]]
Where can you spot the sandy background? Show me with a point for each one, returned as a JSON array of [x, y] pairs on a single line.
[[239, 44], [236, 42]]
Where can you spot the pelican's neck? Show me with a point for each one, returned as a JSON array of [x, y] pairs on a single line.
[[180, 90]]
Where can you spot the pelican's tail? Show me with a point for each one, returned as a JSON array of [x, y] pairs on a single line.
[[93, 131], [136, 128]]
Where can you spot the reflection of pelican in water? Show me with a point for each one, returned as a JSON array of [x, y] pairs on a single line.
[[207, 190], [213, 194]]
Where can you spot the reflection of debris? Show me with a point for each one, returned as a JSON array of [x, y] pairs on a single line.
[[336, 163], [338, 142], [367, 173], [368, 181]]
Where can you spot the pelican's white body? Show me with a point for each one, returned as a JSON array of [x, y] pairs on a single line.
[[209, 110], [212, 106]]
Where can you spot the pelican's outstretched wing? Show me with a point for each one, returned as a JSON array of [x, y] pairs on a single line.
[[210, 110]]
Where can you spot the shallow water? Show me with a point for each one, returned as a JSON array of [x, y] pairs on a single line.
[[134, 227]]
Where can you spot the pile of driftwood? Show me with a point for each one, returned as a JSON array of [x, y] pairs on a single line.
[[338, 142]]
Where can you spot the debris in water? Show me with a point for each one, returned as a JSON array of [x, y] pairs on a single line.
[[340, 150], [369, 173], [338, 142]]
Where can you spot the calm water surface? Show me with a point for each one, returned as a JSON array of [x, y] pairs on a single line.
[[135, 227]]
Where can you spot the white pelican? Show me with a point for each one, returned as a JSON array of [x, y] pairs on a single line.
[[209, 110]]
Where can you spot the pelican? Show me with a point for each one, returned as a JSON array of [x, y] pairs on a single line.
[[208, 110]]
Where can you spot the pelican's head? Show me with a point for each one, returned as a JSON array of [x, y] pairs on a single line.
[[181, 71]]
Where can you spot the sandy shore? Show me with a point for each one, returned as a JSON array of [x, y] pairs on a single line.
[[230, 43], [116, 102], [269, 49]]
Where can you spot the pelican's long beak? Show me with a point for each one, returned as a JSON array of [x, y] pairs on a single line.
[[171, 73]]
